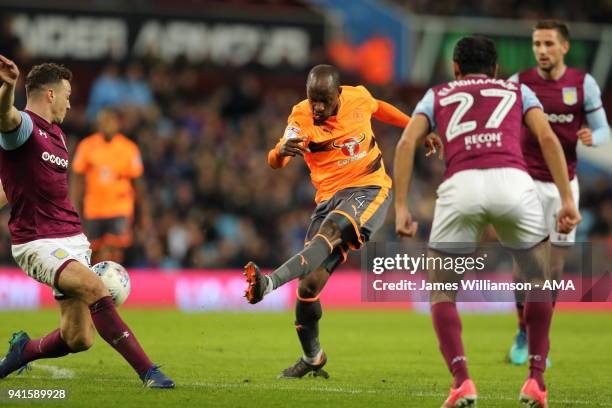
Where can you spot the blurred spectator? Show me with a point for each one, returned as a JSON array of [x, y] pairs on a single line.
[[105, 185], [10, 44], [106, 91]]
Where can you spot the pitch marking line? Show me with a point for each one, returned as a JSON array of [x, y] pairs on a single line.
[[56, 372]]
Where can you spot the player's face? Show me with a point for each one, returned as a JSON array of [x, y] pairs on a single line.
[[549, 48], [323, 102], [60, 101], [108, 123]]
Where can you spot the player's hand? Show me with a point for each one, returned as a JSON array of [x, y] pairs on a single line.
[[293, 147], [586, 136], [404, 226], [568, 217], [433, 144], [8, 70]]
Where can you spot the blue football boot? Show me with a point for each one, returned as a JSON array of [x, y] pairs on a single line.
[[519, 353], [12, 361], [154, 378]]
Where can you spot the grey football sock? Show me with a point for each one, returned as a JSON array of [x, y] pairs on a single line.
[[307, 316], [304, 262]]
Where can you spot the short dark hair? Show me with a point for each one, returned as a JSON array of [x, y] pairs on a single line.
[[475, 55], [561, 27], [324, 71], [46, 74]]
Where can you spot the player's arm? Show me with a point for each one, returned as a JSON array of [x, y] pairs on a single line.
[[3, 199], [10, 119], [598, 132], [385, 112], [535, 119], [290, 145], [420, 126], [568, 216], [403, 164], [15, 126]]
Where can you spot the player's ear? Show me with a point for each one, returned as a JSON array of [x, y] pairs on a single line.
[[565, 46], [456, 70]]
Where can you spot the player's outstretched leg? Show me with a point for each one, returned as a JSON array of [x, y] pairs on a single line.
[[79, 282], [308, 312], [310, 258], [76, 334]]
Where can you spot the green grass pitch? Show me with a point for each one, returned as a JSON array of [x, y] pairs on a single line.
[[376, 359]]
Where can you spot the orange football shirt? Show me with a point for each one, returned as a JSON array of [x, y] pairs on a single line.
[[109, 168], [343, 151]]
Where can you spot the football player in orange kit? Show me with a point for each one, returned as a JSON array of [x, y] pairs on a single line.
[[332, 131]]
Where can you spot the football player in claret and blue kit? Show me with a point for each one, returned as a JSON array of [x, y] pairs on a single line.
[[479, 119], [46, 236], [572, 102]]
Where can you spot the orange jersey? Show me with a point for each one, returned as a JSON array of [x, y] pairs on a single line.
[[343, 151], [109, 168]]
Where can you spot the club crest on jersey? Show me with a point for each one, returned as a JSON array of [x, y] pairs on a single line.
[[350, 146], [60, 253], [570, 96]]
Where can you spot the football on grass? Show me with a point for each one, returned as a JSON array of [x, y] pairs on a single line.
[[116, 279]]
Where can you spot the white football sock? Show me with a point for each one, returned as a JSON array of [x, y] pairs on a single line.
[[269, 286], [314, 360]]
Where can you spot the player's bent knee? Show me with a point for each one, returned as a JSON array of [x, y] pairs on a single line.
[[331, 230], [343, 228], [308, 289]]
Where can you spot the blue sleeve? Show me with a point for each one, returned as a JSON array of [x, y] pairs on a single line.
[[426, 107], [514, 78], [599, 126], [14, 139], [530, 100], [592, 94]]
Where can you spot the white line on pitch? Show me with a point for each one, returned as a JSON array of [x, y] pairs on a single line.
[[56, 372]]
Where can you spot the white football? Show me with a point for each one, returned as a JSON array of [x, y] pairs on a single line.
[[116, 279]]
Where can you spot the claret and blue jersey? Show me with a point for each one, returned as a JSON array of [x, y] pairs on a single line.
[[479, 121], [34, 172]]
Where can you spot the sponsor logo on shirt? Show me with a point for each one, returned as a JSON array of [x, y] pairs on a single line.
[[483, 139], [51, 158], [560, 118]]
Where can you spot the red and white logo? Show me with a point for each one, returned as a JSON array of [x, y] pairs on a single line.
[[350, 146]]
